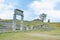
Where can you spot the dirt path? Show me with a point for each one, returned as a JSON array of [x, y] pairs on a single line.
[[43, 35]]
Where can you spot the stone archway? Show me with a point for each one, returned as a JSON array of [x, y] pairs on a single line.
[[20, 13]]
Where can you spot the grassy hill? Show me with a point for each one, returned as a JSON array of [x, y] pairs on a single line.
[[34, 23]]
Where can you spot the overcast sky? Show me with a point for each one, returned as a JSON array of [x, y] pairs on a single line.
[[31, 8]]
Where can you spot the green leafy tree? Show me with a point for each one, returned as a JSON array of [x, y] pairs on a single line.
[[48, 20], [42, 17]]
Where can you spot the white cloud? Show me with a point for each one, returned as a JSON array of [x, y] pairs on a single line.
[[1, 1], [27, 15], [47, 7], [36, 7], [6, 10]]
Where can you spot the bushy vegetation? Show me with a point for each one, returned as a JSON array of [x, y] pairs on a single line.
[[1, 24]]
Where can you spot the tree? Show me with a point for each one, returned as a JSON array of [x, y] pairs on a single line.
[[48, 20], [42, 17]]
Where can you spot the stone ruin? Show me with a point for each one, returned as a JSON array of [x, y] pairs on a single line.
[[31, 27], [20, 13]]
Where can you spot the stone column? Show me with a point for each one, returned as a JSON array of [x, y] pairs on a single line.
[[14, 22], [21, 25], [27, 28], [31, 27]]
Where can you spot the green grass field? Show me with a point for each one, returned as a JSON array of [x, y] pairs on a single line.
[[31, 35]]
